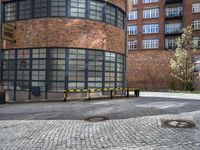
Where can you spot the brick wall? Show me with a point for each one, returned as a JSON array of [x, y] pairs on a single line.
[[149, 69], [65, 32]]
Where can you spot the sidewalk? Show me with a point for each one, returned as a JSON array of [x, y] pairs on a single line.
[[171, 95]]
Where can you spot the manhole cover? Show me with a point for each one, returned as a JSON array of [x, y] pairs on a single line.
[[96, 119], [178, 123]]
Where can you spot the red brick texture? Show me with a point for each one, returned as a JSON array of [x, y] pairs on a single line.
[[65, 32], [149, 69]]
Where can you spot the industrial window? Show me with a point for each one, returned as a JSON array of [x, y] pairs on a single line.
[[120, 70], [132, 44], [150, 28], [132, 30], [150, 44], [120, 19], [196, 24], [151, 13], [132, 15], [9, 65], [24, 9], [10, 11], [173, 28], [40, 8], [95, 70], [76, 76], [110, 14], [195, 7], [56, 70], [170, 43], [110, 62], [23, 69], [58, 7], [96, 10], [39, 68], [150, 1], [78, 8]]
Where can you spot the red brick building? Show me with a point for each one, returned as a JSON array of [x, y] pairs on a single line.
[[153, 26]]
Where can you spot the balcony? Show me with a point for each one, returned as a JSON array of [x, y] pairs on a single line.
[[173, 32], [173, 1], [173, 15]]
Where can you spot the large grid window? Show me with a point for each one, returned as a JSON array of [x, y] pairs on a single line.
[[110, 14], [24, 9], [95, 69], [56, 70], [196, 24], [150, 28], [40, 8], [151, 13], [120, 70], [23, 71], [10, 11], [150, 44], [9, 65], [39, 68], [78, 8], [132, 15], [96, 10], [76, 76], [110, 69], [120, 19], [132, 44], [195, 7], [58, 7]]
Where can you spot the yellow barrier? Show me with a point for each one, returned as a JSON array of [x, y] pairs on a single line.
[[111, 90]]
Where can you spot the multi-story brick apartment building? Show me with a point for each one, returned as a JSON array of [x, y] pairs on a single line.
[[63, 44], [153, 26]]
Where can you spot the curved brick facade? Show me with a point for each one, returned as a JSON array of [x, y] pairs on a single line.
[[62, 32]]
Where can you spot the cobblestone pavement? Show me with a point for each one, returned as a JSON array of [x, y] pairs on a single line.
[[138, 132]]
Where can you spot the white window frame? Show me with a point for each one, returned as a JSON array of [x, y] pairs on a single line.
[[134, 2], [132, 15], [170, 43], [150, 44], [195, 7], [150, 13], [150, 28], [196, 24], [132, 29], [149, 1], [132, 44]]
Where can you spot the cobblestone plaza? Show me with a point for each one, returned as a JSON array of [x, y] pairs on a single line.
[[135, 123]]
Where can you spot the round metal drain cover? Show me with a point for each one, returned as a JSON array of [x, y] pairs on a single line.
[[178, 123], [96, 119]]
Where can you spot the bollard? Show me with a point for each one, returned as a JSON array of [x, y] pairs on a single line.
[[137, 93], [127, 92], [111, 94], [89, 98], [65, 95]]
